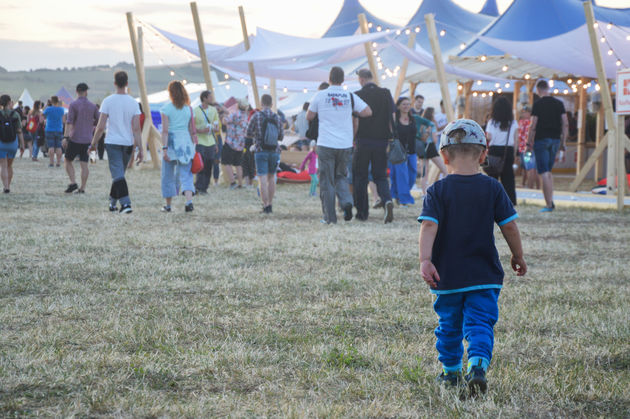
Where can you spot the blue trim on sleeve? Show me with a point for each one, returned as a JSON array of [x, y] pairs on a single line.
[[507, 220], [424, 217], [473, 288]]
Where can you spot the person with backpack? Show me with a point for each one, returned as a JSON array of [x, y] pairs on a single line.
[[265, 128], [10, 134]]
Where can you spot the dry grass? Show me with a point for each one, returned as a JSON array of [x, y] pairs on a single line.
[[229, 312]]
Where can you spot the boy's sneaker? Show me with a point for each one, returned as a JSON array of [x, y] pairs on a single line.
[[347, 212], [125, 209], [476, 379], [113, 208], [166, 208], [389, 212], [450, 379], [189, 207], [71, 188]]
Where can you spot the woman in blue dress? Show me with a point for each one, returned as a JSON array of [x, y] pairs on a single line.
[[11, 133]]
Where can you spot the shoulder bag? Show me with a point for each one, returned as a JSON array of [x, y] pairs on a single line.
[[493, 165], [397, 153]]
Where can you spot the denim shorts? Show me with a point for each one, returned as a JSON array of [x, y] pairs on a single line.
[[545, 151], [53, 139], [8, 150], [266, 162]]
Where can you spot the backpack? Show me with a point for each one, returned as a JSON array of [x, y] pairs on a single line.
[[33, 122], [270, 133], [7, 128]]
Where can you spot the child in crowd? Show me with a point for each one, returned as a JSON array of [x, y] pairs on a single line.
[[458, 257], [311, 158]]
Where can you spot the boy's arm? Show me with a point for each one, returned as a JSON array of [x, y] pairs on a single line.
[[428, 231], [513, 239]]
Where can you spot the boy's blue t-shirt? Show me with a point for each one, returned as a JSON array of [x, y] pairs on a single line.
[[465, 209], [54, 118]]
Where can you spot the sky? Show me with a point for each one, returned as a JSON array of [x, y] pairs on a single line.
[[77, 33]]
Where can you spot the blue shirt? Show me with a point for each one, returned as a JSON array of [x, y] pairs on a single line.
[[465, 209], [54, 118], [178, 119]]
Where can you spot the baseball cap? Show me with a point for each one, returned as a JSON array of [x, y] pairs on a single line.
[[473, 134], [243, 103], [82, 87]]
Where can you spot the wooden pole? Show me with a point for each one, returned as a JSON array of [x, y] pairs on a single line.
[[412, 90], [606, 103], [205, 66], [252, 73], [621, 166], [274, 94], [403, 70], [439, 66], [589, 163], [515, 98], [141, 45], [599, 163], [530, 92], [581, 121], [144, 99], [468, 98], [363, 25]]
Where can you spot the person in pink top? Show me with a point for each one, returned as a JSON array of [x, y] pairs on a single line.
[[311, 158]]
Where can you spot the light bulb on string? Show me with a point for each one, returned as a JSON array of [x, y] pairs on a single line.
[[387, 30], [479, 82], [370, 25], [284, 89], [597, 87], [417, 29], [442, 32], [226, 76], [460, 87], [264, 87], [172, 73], [499, 91], [378, 28], [407, 31], [398, 32], [185, 81], [345, 87], [527, 76], [579, 82], [374, 44], [551, 83], [375, 53], [610, 52], [618, 63], [380, 66], [383, 76], [462, 46], [507, 85], [595, 25], [566, 91], [490, 94], [305, 90], [628, 38], [602, 39], [496, 85], [609, 26], [569, 81], [483, 58], [555, 91], [505, 68], [475, 94], [227, 87], [483, 95]]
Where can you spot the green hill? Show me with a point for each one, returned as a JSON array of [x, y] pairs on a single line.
[[42, 83]]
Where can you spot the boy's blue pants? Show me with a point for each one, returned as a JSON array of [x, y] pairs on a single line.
[[471, 315]]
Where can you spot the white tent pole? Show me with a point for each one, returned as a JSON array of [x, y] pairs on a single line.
[[274, 94], [439, 66], [144, 99], [403, 71], [250, 65], [202, 47], [368, 51]]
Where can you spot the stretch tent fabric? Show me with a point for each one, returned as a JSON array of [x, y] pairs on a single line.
[[490, 8], [346, 23]]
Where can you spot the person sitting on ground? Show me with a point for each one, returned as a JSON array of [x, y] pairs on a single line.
[[10, 138], [179, 138], [459, 260], [54, 130], [311, 158]]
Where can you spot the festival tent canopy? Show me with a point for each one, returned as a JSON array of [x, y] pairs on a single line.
[[64, 96], [490, 8], [346, 23], [26, 98], [459, 24]]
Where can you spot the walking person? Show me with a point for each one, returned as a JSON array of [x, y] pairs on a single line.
[[54, 115], [372, 139], [120, 114], [265, 128], [403, 175], [207, 122], [431, 152], [179, 138], [334, 106], [34, 125], [502, 134], [233, 148], [80, 122], [311, 159], [547, 134], [10, 139]]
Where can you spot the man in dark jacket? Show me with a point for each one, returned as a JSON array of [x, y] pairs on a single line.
[[372, 138]]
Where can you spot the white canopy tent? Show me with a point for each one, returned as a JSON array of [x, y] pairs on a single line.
[[26, 99]]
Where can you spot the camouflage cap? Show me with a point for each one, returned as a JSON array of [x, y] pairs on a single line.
[[473, 134]]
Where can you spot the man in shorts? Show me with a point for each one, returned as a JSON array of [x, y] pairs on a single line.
[[80, 122], [548, 132]]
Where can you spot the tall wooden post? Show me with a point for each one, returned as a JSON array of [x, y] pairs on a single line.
[[611, 138], [252, 73], [530, 91], [412, 90], [468, 99], [581, 122], [141, 45], [597, 173], [274, 94], [516, 97], [202, 47], [403, 70], [144, 99], [620, 163], [363, 25], [439, 66]]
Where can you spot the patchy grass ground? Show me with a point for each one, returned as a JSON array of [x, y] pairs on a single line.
[[228, 312]]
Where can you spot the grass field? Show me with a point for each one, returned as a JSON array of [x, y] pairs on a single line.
[[228, 312]]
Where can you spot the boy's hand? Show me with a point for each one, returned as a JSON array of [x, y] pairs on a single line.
[[429, 273], [518, 265]]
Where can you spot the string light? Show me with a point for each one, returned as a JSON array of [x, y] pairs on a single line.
[[497, 85], [478, 82], [407, 31], [380, 66], [609, 26], [227, 87], [185, 81], [378, 28], [462, 46], [602, 39], [483, 95], [387, 30], [491, 94], [595, 25], [265, 87], [551, 83], [285, 89], [374, 44], [597, 87], [555, 91], [579, 82], [460, 87], [499, 91], [474, 94], [226, 76], [527, 76], [442, 32], [345, 87], [610, 52], [417, 29], [375, 53], [569, 81], [628, 38], [398, 32], [305, 90], [172, 73], [618, 63], [370, 25], [383, 76], [507, 85], [483, 58], [505, 68], [566, 91]]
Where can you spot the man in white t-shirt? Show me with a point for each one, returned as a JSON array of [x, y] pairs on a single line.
[[334, 108], [441, 120], [120, 114]]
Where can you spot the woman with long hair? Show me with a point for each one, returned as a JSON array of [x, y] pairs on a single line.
[[34, 124], [179, 137], [403, 175], [502, 134], [11, 132], [431, 152]]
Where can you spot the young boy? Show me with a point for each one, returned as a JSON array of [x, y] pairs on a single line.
[[458, 257]]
